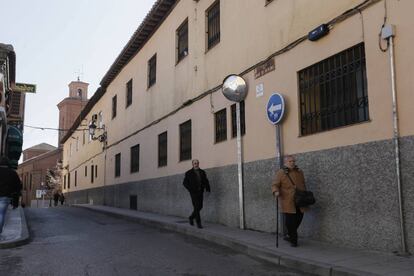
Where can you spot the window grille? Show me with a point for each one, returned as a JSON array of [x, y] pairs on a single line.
[[182, 41], [185, 141], [135, 159], [162, 149], [221, 125], [118, 165], [129, 93], [152, 71], [333, 92], [213, 25], [234, 120]]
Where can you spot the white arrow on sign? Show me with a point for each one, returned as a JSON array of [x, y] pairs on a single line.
[[274, 108]]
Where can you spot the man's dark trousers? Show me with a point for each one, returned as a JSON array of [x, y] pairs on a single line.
[[197, 200]]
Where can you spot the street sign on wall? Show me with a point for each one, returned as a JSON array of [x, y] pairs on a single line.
[[275, 108]]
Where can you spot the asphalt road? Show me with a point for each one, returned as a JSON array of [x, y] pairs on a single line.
[[71, 241]]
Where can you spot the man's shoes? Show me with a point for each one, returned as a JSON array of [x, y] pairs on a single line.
[[191, 221], [199, 226], [286, 238]]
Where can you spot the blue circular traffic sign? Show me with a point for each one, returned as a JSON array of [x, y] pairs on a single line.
[[275, 108]]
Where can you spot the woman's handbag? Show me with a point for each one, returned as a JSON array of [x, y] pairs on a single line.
[[302, 198]]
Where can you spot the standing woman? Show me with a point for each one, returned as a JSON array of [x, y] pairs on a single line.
[[10, 186], [284, 184]]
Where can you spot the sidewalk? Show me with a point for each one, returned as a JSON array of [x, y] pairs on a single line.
[[310, 256], [15, 231]]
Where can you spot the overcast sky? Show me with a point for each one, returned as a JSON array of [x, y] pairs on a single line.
[[54, 40]]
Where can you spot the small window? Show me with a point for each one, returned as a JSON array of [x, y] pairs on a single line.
[[80, 93], [182, 41], [64, 182], [129, 93], [162, 149], [92, 174], [83, 139], [68, 181], [86, 171], [213, 25], [96, 171], [76, 178], [220, 125], [185, 141], [234, 120], [113, 106], [152, 71], [118, 165], [333, 92], [135, 159]]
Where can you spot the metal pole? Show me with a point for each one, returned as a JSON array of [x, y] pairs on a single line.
[[396, 145], [279, 161], [239, 165]]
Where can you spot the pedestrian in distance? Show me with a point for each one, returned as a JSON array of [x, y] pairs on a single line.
[[61, 198], [56, 198], [10, 188], [285, 182], [196, 182]]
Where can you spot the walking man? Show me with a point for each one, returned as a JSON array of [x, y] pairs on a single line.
[[10, 187], [284, 184], [195, 181]]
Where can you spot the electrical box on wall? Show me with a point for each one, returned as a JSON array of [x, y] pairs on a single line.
[[318, 33]]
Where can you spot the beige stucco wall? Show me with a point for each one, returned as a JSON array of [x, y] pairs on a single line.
[[249, 33]]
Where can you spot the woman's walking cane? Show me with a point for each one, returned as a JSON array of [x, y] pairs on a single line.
[[277, 221]]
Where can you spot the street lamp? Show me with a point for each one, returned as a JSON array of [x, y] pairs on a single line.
[[92, 129]]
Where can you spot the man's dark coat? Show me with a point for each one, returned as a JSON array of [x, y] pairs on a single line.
[[191, 184]]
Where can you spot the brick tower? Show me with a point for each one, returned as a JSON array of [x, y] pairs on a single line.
[[70, 107]]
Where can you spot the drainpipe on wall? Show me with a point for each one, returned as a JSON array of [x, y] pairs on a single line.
[[388, 33]]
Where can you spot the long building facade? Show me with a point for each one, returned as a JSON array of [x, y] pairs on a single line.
[[161, 105]]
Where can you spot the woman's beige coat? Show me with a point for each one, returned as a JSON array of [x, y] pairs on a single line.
[[286, 188]]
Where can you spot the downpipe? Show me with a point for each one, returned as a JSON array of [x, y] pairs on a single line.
[[390, 39]]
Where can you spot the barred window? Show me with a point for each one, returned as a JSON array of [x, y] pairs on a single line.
[[234, 120], [185, 141], [129, 93], [333, 92], [162, 149], [114, 106], [118, 165], [182, 41], [135, 159], [152, 71], [213, 25], [221, 125]]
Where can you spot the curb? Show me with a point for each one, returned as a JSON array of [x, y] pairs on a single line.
[[254, 251], [24, 234]]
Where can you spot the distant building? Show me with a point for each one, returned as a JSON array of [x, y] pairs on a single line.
[[39, 159]]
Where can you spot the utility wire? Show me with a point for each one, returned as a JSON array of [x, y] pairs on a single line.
[[50, 128]]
